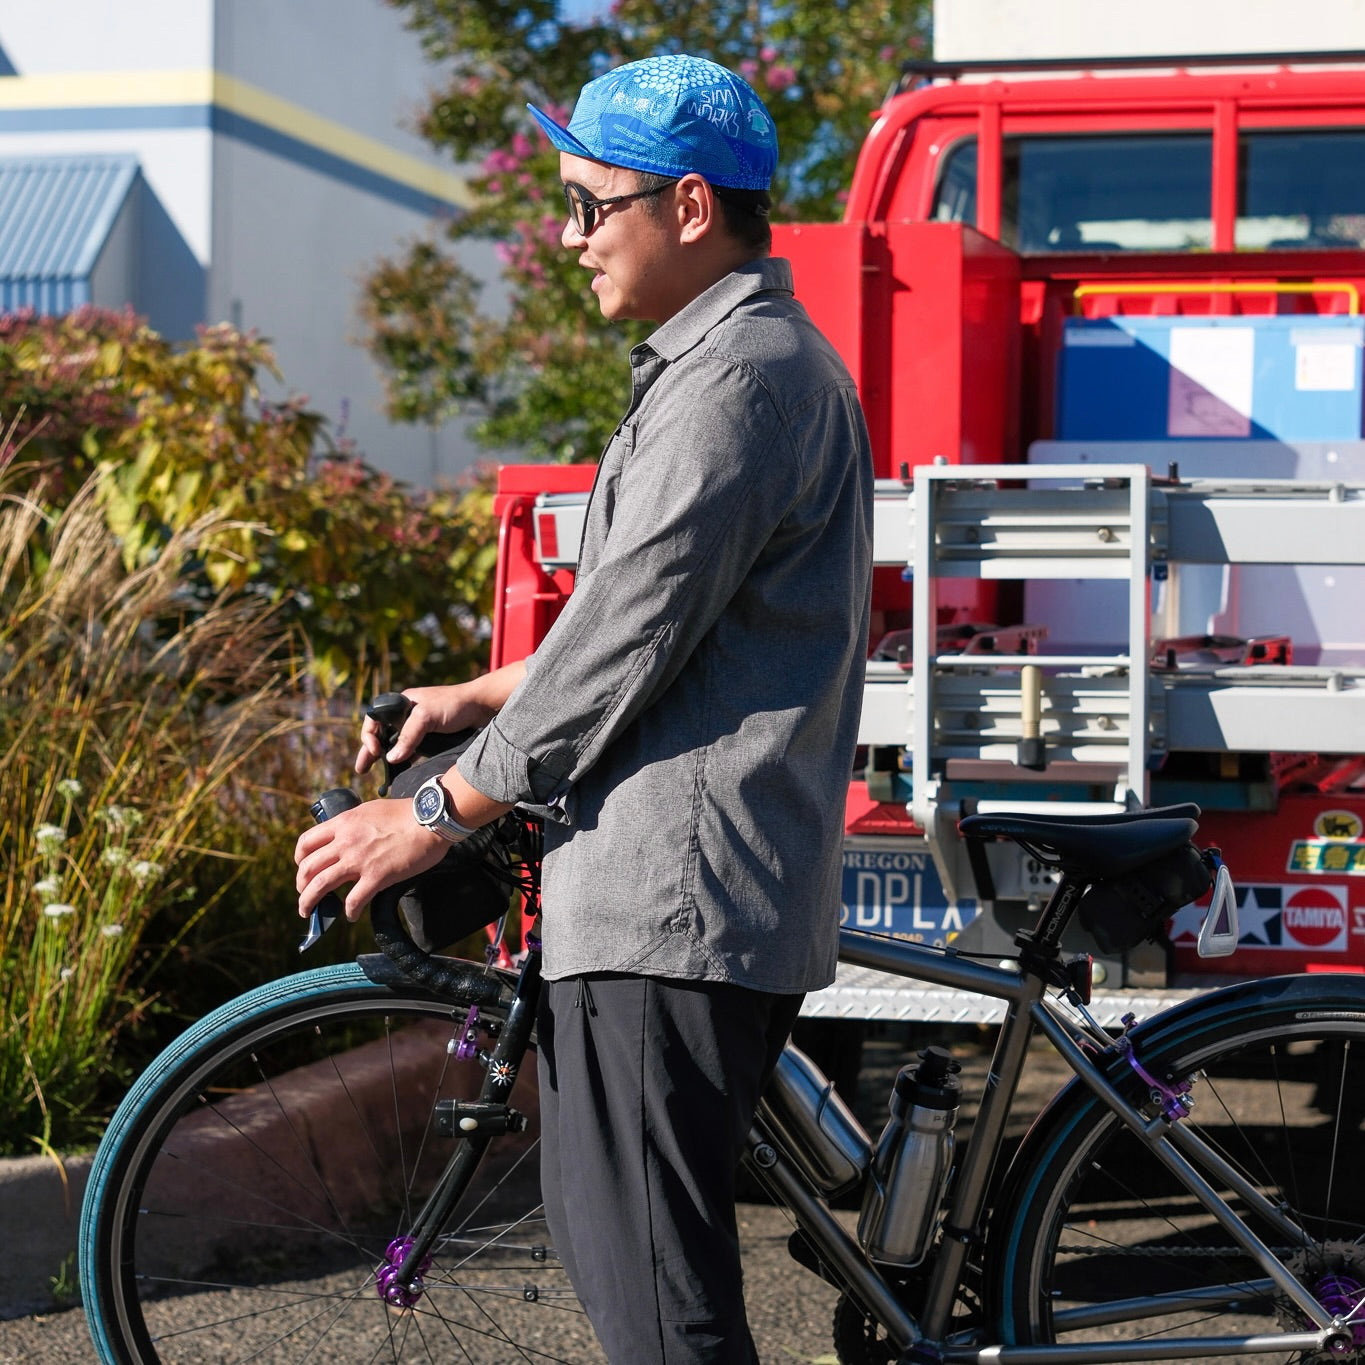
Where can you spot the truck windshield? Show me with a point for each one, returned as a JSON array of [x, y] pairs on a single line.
[[1153, 191], [1301, 189], [1116, 192]]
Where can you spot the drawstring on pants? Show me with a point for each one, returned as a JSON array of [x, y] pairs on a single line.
[[584, 996]]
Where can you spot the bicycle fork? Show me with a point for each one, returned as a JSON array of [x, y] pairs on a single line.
[[400, 1278]]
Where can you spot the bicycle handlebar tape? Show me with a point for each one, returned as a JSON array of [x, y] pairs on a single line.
[[443, 976]]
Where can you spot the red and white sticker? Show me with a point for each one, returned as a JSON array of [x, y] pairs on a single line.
[[1315, 917]]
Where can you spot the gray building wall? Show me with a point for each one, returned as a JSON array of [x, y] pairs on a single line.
[[279, 163]]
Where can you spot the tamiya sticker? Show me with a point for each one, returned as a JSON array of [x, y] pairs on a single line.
[[1331, 857], [1338, 824], [899, 893], [1308, 919]]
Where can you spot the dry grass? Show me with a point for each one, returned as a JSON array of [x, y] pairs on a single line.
[[127, 707]]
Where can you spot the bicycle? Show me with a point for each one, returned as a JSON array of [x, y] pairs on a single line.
[[329, 1167]]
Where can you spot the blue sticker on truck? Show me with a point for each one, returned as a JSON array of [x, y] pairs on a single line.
[[892, 891]]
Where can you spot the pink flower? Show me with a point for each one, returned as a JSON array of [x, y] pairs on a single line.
[[781, 78], [521, 146], [767, 54], [748, 68], [498, 161]]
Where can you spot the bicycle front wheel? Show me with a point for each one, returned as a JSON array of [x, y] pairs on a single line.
[[258, 1181], [1100, 1242]]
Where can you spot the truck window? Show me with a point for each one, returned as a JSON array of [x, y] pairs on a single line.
[[1303, 188], [1108, 192]]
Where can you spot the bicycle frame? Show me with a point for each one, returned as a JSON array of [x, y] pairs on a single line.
[[1027, 1009]]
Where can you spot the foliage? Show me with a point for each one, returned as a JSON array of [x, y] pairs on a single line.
[[380, 579], [549, 375], [127, 706]]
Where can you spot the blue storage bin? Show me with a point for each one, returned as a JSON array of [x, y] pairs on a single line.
[[1292, 378]]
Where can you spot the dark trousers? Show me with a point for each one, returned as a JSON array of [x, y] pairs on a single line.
[[647, 1090]]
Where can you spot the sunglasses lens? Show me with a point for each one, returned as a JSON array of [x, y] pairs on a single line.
[[579, 213]]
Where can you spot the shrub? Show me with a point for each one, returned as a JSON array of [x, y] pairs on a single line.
[[384, 581]]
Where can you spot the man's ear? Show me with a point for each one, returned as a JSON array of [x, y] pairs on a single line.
[[695, 204]]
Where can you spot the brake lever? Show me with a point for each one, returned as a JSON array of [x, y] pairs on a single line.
[[330, 908], [389, 710]]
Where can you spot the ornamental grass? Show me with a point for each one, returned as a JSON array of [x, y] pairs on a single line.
[[128, 705]]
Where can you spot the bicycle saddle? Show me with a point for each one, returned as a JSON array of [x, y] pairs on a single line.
[[1095, 847]]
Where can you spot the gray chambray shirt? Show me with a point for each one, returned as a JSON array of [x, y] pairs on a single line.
[[689, 721]]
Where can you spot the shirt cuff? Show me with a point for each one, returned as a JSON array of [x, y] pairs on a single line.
[[493, 765]]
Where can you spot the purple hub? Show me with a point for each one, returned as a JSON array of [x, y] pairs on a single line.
[[1341, 1295], [386, 1277]]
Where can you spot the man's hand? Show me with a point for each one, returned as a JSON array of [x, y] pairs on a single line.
[[371, 846], [441, 711]]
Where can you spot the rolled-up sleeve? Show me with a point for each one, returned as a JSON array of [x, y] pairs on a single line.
[[707, 474]]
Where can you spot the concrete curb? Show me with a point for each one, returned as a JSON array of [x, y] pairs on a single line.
[[39, 1222], [40, 1214]]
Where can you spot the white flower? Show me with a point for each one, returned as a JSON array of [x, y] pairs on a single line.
[[70, 788], [58, 911], [114, 857], [111, 930], [50, 836], [49, 888], [121, 817], [67, 973], [144, 870]]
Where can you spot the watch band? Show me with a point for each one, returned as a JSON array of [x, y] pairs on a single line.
[[431, 809]]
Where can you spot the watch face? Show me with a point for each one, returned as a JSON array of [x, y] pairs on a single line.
[[429, 803]]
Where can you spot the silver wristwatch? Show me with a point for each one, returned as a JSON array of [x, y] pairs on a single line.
[[431, 808]]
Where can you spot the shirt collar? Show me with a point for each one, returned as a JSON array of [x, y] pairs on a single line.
[[688, 326]]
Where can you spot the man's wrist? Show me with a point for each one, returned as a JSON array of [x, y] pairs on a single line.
[[432, 809]]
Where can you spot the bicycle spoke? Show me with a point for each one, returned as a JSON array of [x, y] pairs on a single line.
[[258, 1221]]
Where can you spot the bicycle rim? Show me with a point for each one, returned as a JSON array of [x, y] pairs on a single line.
[[1104, 1244], [250, 1193]]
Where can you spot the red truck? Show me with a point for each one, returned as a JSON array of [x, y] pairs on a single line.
[[1106, 327]]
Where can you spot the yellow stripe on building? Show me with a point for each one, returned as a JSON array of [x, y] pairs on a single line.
[[112, 89]]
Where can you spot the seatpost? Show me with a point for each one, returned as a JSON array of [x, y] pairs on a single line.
[[1040, 947]]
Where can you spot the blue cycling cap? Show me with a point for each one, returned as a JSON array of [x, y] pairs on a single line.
[[671, 115]]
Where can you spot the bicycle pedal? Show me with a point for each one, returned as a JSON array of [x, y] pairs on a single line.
[[477, 1118]]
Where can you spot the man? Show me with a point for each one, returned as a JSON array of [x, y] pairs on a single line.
[[688, 724]]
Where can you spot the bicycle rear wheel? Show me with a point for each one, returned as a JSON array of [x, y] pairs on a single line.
[[1099, 1242], [250, 1187]]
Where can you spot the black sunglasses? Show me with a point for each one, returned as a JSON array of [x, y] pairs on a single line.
[[582, 204]]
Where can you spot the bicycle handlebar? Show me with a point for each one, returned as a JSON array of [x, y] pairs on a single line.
[[441, 975]]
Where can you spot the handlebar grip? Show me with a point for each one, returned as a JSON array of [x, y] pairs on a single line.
[[330, 908], [389, 710], [333, 802]]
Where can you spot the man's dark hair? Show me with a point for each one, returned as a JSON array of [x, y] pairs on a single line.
[[745, 212]]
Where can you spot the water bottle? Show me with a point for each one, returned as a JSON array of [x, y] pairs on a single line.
[[911, 1161], [815, 1126]]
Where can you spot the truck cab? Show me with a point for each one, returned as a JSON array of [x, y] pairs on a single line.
[[1106, 328]]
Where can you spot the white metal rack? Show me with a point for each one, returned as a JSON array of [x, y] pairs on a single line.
[[1102, 718]]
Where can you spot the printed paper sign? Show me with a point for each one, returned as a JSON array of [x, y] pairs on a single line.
[[1325, 367], [1211, 381]]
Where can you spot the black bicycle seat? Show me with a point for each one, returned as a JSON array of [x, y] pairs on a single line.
[[1095, 847]]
